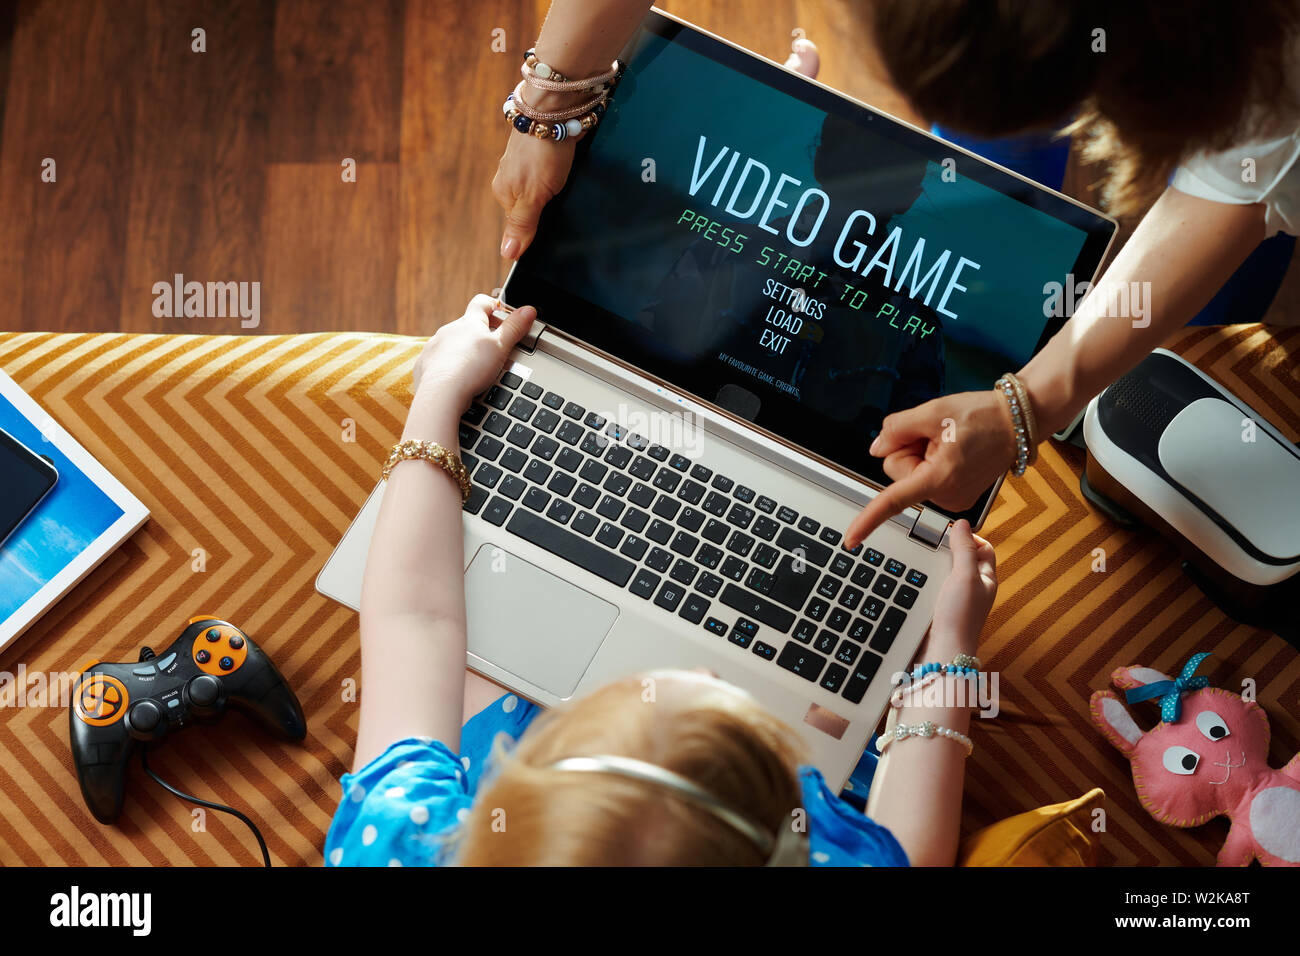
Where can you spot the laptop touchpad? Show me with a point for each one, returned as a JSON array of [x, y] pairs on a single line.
[[531, 623]]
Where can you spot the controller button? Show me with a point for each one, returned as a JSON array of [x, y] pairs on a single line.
[[227, 663], [202, 656], [204, 690], [236, 642], [147, 671], [174, 702], [214, 634], [166, 662], [145, 716]]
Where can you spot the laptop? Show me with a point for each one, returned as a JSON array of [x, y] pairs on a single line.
[[745, 273]]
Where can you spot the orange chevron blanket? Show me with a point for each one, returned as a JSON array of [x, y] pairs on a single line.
[[253, 454]]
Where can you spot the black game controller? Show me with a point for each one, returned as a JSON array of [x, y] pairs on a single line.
[[211, 665]]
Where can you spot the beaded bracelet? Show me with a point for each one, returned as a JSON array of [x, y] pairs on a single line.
[[1026, 449], [435, 454], [542, 129], [538, 74], [961, 664], [927, 729]]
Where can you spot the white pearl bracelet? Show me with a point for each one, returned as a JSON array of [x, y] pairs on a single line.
[[926, 729]]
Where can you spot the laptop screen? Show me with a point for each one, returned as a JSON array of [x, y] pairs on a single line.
[[791, 256]]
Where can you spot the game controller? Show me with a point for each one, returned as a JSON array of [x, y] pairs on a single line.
[[211, 666]]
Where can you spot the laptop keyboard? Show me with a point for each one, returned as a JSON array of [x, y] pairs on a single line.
[[682, 537]]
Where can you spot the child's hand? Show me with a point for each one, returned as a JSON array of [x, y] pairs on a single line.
[[463, 357], [966, 596]]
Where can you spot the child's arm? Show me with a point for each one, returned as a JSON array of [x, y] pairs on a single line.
[[413, 593], [916, 791]]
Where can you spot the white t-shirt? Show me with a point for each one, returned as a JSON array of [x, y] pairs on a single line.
[[1265, 172]]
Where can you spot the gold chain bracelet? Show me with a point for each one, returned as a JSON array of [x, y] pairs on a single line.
[[435, 454]]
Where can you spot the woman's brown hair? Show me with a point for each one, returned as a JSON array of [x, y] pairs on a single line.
[[1146, 82], [528, 814]]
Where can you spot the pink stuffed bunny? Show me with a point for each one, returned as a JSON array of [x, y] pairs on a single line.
[[1208, 756]]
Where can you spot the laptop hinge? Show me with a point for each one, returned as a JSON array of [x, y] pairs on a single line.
[[930, 527], [529, 342]]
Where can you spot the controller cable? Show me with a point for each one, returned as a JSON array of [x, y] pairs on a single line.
[[144, 762]]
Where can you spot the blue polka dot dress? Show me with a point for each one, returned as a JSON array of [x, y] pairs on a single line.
[[403, 807]]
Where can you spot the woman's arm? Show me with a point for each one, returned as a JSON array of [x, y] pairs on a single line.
[[413, 593], [1180, 255], [917, 787]]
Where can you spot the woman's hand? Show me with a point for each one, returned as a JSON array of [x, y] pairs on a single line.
[[948, 451], [529, 175], [463, 357], [966, 597]]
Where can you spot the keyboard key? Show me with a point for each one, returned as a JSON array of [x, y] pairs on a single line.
[[594, 444], [872, 608], [683, 571], [560, 511], [667, 481], [679, 462], [716, 531], [574, 411], [691, 491], [812, 551], [636, 442], [850, 597], [740, 516], [657, 452], [561, 484], [569, 460], [855, 550], [474, 414], [570, 433], [466, 436], [883, 587], [833, 678], [808, 525], [765, 651], [586, 495], [609, 535], [744, 494], [497, 397], [830, 536], [617, 483], [788, 515], [489, 448], [536, 499], [740, 638], [708, 555], [514, 460], [829, 587], [610, 507], [700, 473], [799, 660], [856, 688], [669, 596], [841, 564], [521, 436], [825, 642], [860, 631], [522, 409], [848, 652], [715, 504], [532, 390], [643, 468], [659, 531], [906, 596], [497, 510], [804, 631], [793, 583], [659, 559], [487, 475], [887, 630], [761, 609], [766, 556], [715, 626], [644, 584], [916, 578], [709, 584], [616, 432], [722, 483], [634, 519], [546, 420], [733, 568], [873, 557], [571, 547], [469, 461], [477, 498], [497, 424], [618, 456], [694, 608], [552, 400], [594, 421], [690, 519], [537, 472], [545, 448], [684, 544], [634, 547], [862, 576], [765, 528], [839, 619], [585, 523], [511, 380], [765, 504], [740, 544], [512, 487], [641, 495], [817, 609], [896, 568], [666, 508]]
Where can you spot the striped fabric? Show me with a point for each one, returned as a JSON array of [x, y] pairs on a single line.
[[254, 453]]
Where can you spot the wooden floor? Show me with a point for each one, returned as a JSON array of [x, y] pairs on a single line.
[[225, 165]]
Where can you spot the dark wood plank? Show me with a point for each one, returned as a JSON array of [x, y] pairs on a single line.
[[197, 182]]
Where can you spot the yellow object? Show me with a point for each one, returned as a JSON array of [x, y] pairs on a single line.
[[435, 454], [1058, 835]]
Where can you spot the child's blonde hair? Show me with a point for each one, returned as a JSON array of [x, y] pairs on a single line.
[[529, 814]]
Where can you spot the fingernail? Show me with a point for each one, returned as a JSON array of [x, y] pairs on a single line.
[[875, 443], [510, 247]]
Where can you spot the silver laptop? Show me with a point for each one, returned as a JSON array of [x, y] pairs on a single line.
[[745, 273]]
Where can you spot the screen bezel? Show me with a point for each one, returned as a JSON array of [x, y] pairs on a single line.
[[14, 453], [568, 313]]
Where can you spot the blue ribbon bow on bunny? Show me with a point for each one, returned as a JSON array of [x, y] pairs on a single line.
[[1171, 692]]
